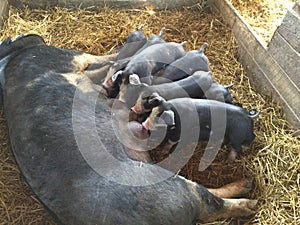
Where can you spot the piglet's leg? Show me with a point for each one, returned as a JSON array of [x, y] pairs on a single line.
[[233, 153]]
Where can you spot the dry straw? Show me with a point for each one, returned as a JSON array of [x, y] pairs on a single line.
[[273, 160], [264, 16]]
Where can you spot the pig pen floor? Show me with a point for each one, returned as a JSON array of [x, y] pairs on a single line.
[[273, 160]]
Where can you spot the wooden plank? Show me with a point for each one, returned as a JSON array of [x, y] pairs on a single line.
[[286, 57], [3, 12], [296, 7], [99, 3], [290, 29], [278, 78], [264, 71], [265, 85], [33, 4], [158, 4], [232, 16]]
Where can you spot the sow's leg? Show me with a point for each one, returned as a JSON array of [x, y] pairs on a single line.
[[214, 206], [233, 190], [234, 208]]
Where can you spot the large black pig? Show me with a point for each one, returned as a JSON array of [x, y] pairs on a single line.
[[62, 136]]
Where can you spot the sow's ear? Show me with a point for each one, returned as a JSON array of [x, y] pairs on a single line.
[[168, 117], [134, 79]]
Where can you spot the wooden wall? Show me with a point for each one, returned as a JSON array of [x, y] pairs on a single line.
[[3, 11], [274, 69], [159, 4]]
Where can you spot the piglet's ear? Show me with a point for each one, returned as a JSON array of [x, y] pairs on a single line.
[[168, 117], [155, 100], [116, 75], [134, 79]]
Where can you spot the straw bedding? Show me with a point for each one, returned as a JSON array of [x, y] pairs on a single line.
[[264, 16], [273, 160]]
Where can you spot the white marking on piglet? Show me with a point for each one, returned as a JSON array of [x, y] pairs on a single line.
[[134, 79]]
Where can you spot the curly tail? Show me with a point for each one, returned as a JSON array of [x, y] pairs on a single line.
[[203, 47], [253, 113]]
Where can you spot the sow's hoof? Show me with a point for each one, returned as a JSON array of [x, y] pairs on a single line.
[[240, 207]]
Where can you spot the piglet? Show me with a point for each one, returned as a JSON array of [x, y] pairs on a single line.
[[202, 120], [193, 61], [133, 43]]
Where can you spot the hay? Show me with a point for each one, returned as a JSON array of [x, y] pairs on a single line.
[[264, 16], [273, 159]]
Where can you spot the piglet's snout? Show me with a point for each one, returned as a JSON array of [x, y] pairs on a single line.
[[137, 109]]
